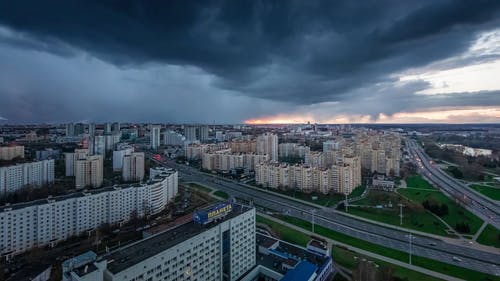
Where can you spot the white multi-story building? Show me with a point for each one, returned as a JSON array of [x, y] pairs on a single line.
[[155, 136], [11, 152], [222, 250], [89, 171], [133, 167], [47, 221], [15, 177], [173, 138], [268, 144], [119, 154]]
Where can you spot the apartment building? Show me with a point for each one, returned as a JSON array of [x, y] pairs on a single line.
[[15, 177], [268, 144], [48, 221], [133, 167], [340, 178], [221, 250], [89, 172]]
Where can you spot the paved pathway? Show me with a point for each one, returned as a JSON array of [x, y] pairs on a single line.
[[366, 253], [479, 231]]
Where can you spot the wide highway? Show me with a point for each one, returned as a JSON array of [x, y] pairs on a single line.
[[482, 206], [421, 246]]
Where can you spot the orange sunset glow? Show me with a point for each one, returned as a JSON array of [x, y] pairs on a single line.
[[434, 115]]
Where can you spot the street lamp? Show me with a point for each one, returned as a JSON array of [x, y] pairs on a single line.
[[312, 214], [401, 213]]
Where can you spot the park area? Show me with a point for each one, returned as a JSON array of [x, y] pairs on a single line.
[[425, 209], [489, 191]]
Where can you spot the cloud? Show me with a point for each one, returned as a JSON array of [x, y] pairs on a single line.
[[232, 60]]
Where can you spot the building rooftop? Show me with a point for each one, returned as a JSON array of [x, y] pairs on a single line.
[[125, 257], [303, 271]]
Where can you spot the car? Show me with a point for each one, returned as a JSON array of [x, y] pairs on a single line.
[[457, 259], [432, 244]]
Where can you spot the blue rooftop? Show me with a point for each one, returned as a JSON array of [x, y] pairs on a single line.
[[303, 271]]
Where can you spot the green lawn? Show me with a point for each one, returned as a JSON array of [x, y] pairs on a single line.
[[493, 193], [200, 187], [438, 266], [347, 259], [285, 233], [417, 219], [417, 181], [456, 213], [490, 236], [414, 215], [221, 194]]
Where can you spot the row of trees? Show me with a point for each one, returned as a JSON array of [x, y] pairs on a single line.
[[436, 208], [462, 227]]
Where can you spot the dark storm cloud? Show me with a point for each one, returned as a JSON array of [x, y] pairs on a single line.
[[298, 52]]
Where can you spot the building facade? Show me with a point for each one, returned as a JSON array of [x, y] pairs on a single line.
[[268, 144], [133, 167], [89, 171], [13, 178], [155, 137]]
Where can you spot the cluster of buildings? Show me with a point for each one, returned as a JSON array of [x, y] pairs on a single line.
[[47, 221], [342, 178], [34, 174]]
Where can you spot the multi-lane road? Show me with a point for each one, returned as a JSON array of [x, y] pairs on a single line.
[[482, 206], [465, 256]]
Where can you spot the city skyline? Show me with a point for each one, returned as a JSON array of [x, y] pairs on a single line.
[[251, 62]]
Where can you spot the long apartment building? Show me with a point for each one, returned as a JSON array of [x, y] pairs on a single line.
[[224, 250], [11, 152], [15, 177], [342, 178], [44, 222], [226, 161]]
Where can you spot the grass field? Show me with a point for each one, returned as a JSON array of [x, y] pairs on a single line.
[[490, 236], [438, 266], [285, 233], [412, 218], [493, 193], [221, 194], [347, 259], [414, 215], [416, 181], [200, 187], [456, 213]]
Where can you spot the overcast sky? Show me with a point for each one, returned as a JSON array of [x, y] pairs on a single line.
[[254, 61]]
